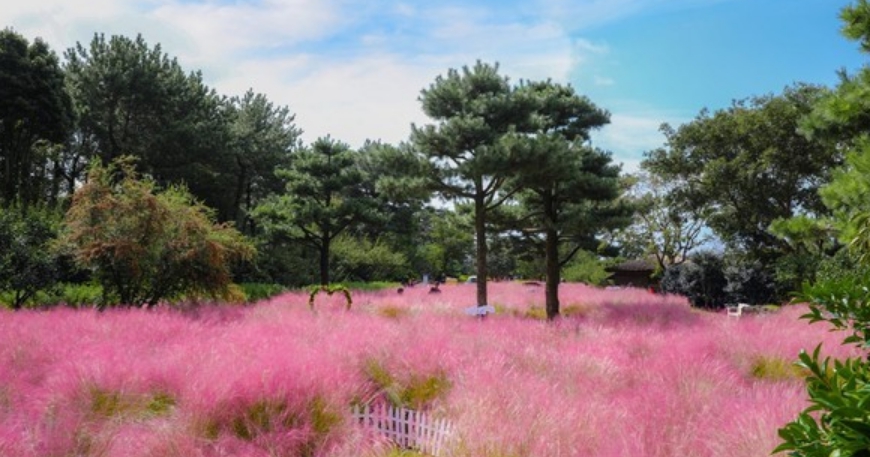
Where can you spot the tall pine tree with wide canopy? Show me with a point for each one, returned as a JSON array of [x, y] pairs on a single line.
[[474, 109], [568, 191]]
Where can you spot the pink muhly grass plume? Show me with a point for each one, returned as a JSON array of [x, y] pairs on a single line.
[[624, 373]]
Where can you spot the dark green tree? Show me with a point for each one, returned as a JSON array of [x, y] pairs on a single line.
[[702, 280], [146, 246], [400, 186], [813, 242], [263, 138], [446, 244], [570, 198], [325, 196], [35, 113], [568, 191], [359, 259], [133, 99], [738, 166], [28, 263], [474, 109]]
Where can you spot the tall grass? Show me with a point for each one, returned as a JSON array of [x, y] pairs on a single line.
[[627, 374]]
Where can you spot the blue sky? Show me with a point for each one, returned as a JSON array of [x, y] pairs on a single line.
[[354, 68]]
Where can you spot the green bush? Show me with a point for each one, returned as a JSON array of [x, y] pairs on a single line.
[[361, 285], [775, 369], [27, 262], [74, 295], [146, 246], [256, 291], [356, 259], [112, 404], [749, 282], [587, 268], [393, 312], [80, 294]]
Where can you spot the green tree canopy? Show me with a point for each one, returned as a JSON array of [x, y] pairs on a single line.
[[569, 199], [739, 165], [263, 139], [474, 109], [146, 246], [662, 229], [325, 196], [35, 111], [27, 261], [133, 99], [567, 190], [446, 243], [400, 185]]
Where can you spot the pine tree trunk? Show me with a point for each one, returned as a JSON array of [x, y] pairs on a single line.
[[480, 233], [324, 262], [553, 274]]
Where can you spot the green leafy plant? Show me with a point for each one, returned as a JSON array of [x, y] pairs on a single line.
[[837, 423]]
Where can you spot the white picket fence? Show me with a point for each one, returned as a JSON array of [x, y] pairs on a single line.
[[407, 428]]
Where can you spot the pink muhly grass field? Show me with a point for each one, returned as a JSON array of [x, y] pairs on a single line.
[[625, 373]]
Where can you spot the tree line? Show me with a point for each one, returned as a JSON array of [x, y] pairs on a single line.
[[528, 194], [78, 135]]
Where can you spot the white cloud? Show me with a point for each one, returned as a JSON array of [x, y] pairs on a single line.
[[587, 47], [350, 68], [631, 133], [371, 92], [370, 97], [602, 81], [59, 22], [227, 31]]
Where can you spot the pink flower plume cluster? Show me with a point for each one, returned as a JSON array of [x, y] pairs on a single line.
[[624, 373]]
